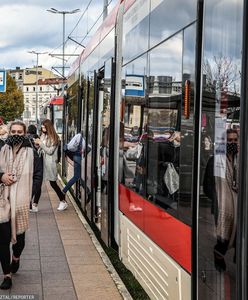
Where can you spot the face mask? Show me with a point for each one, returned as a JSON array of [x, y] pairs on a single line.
[[15, 139], [232, 148]]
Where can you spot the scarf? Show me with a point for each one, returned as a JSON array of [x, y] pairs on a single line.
[[227, 193], [14, 199]]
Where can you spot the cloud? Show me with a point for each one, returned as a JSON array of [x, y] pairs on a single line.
[[26, 25]]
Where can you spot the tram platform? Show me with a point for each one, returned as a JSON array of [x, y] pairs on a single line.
[[61, 259]]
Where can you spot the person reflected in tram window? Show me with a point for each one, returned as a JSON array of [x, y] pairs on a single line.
[[221, 186], [207, 150], [129, 164], [165, 156], [104, 153], [140, 172]]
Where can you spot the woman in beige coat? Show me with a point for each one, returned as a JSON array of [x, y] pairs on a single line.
[[48, 147]]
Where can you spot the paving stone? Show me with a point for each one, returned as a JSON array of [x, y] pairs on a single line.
[[56, 279], [60, 260], [29, 264], [54, 266], [28, 289], [27, 277], [84, 260]]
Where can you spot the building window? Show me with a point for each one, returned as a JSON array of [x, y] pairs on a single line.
[[20, 76], [41, 88], [27, 89], [33, 88]]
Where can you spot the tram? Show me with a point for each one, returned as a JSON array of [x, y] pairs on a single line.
[[159, 94], [54, 112]]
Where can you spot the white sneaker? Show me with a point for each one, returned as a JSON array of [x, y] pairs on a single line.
[[34, 208], [62, 205]]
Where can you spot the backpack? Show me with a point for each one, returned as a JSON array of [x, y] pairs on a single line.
[[70, 153]]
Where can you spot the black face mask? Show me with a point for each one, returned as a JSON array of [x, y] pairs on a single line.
[[15, 139], [232, 148]]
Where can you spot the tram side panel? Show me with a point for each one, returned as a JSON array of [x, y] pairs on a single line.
[[156, 136]]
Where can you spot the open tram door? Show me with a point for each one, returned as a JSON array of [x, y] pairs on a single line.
[[102, 154]]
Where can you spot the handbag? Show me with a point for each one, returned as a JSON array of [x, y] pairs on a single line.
[[70, 153], [171, 179], [133, 153]]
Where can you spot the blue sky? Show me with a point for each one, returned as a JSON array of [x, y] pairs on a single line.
[[26, 26]]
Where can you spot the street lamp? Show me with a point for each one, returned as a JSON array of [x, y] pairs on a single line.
[[36, 88], [63, 12]]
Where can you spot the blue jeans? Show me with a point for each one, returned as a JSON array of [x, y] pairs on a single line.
[[77, 174]]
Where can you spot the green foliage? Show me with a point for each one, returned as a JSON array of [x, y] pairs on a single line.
[[11, 102]]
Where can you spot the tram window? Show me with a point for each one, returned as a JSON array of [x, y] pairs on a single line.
[[166, 18], [219, 153], [164, 136], [133, 128], [135, 30]]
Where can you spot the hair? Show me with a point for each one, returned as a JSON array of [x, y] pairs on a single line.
[[1, 120], [20, 124], [51, 133], [230, 130], [32, 129]]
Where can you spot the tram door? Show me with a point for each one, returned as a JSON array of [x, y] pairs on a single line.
[[219, 150], [102, 202]]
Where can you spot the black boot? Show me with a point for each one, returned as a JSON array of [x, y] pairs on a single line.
[[14, 266], [219, 261], [6, 284]]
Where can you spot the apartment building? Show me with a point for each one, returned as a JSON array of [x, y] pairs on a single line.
[[48, 86]]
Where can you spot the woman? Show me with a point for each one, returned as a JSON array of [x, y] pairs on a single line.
[[3, 132], [20, 173], [48, 147]]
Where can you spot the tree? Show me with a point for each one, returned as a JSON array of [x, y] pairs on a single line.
[[221, 74], [12, 101]]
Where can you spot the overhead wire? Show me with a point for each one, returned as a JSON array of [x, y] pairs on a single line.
[[88, 31], [77, 24]]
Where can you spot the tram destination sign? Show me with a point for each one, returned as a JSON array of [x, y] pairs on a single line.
[[2, 81]]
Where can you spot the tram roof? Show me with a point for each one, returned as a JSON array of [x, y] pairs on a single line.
[[107, 25]]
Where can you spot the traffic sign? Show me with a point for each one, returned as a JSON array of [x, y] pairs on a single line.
[[2, 81]]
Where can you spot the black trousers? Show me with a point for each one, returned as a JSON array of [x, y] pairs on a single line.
[[57, 189], [37, 196], [37, 193], [5, 238]]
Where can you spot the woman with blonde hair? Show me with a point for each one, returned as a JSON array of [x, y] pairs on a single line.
[[48, 146]]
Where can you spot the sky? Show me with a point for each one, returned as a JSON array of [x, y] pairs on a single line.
[[27, 26]]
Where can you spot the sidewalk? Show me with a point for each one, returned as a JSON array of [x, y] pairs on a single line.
[[59, 260]]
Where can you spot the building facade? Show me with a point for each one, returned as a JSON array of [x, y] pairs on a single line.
[[48, 86]]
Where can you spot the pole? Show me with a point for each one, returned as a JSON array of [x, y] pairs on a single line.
[[36, 89], [63, 95], [105, 9], [63, 67]]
